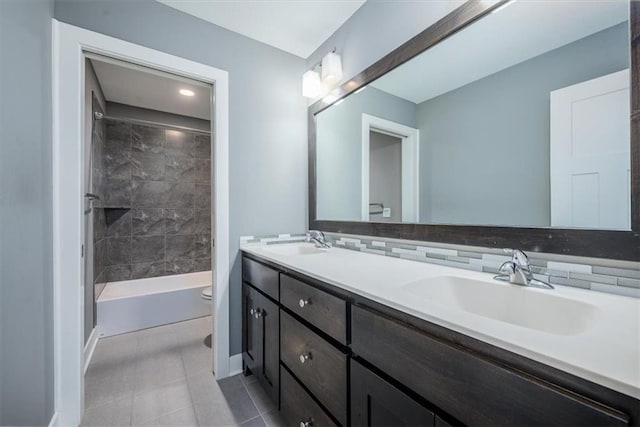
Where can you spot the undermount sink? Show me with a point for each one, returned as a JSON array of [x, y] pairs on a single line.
[[296, 249], [517, 305]]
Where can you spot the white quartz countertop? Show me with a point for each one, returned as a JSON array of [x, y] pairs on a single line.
[[607, 353]]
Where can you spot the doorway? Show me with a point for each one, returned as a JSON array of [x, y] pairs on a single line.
[[71, 45], [385, 177], [385, 134]]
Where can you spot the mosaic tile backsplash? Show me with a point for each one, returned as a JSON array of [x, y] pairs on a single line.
[[611, 276]]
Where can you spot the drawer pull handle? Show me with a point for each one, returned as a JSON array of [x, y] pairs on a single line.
[[304, 357], [304, 302], [258, 313], [307, 423]]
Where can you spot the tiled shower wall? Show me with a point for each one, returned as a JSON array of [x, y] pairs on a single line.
[[155, 189]]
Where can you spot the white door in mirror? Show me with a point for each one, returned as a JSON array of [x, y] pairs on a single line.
[[590, 146]]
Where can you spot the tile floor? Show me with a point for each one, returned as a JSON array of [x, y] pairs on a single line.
[[162, 377]]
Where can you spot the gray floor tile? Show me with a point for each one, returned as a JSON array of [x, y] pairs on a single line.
[[209, 415], [159, 402], [118, 346], [105, 383], [116, 413], [273, 419], [254, 422], [141, 378], [185, 417], [260, 398], [157, 339], [221, 403], [248, 380], [196, 357], [157, 370]]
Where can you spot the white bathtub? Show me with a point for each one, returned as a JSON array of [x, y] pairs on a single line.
[[132, 305]]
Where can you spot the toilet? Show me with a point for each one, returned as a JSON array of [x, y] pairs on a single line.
[[206, 295]]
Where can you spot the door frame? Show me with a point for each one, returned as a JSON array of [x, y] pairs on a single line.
[[69, 45], [410, 165]]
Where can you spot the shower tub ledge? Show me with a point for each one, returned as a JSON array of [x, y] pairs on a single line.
[[132, 305]]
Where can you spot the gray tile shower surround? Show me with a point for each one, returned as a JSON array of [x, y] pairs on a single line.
[[162, 377], [155, 184], [603, 275]]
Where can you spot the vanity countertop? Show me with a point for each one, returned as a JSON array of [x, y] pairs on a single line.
[[607, 353]]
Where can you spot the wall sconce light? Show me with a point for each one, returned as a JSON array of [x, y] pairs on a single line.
[[311, 84], [331, 71], [331, 68]]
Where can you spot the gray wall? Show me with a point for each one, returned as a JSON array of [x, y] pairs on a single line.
[[385, 175], [26, 284], [115, 109], [491, 137], [379, 27], [268, 143], [339, 149]]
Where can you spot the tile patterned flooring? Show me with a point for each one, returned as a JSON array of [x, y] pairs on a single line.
[[162, 377]]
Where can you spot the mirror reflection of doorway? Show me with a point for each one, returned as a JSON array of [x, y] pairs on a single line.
[[385, 177], [390, 179]]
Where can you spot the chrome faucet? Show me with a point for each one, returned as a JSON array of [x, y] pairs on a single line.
[[317, 238], [518, 271]]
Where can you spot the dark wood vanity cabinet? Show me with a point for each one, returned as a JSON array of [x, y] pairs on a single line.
[[330, 357], [376, 402], [261, 331]]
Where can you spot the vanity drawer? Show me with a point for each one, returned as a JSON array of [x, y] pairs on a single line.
[[325, 311], [261, 277], [297, 406], [447, 375], [321, 367]]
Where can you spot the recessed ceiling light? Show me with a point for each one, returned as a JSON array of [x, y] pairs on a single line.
[[186, 92]]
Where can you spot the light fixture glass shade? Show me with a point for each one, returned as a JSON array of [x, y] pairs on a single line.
[[311, 84], [331, 68]]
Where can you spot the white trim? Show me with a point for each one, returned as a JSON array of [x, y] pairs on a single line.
[[69, 43], [410, 165], [90, 348], [54, 420], [235, 364]]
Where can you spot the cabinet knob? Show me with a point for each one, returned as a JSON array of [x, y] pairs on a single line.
[[258, 313], [304, 357], [307, 423], [304, 302], [252, 312]]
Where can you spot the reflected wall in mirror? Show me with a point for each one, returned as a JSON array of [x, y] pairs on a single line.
[[520, 119]]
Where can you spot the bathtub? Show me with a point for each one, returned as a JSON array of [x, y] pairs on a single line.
[[132, 305]]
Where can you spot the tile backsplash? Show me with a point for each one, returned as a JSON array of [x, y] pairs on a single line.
[[155, 190], [611, 276]]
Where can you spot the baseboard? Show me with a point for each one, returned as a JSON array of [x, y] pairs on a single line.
[[54, 420], [235, 364], [90, 347]]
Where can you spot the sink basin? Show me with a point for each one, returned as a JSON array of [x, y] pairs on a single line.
[[517, 305], [298, 249]]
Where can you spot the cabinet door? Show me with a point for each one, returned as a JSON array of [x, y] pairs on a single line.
[[268, 373], [377, 403], [251, 329]]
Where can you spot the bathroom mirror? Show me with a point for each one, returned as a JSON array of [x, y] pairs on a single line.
[[502, 122]]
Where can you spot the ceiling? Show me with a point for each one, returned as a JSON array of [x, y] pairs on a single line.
[[295, 26], [522, 30], [146, 88]]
